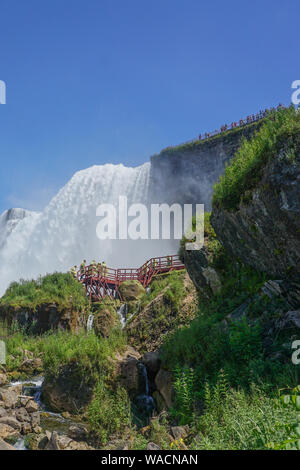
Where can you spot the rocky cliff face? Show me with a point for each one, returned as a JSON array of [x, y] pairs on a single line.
[[186, 174], [265, 231]]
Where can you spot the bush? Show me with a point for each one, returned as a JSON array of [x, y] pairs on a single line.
[[109, 412], [60, 288]]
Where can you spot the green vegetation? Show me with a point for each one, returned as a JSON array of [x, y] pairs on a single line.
[[194, 144], [279, 133], [110, 411], [60, 288], [226, 376]]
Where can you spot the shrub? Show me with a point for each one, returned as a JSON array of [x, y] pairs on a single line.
[[280, 131]]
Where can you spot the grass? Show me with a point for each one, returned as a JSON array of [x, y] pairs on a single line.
[[242, 421], [198, 143], [280, 132], [58, 288]]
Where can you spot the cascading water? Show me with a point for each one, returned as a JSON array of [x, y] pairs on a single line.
[[144, 402], [123, 312], [65, 232], [90, 323]]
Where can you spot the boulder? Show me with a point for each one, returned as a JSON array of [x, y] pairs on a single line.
[[32, 406], [66, 392], [5, 446], [152, 362], [131, 291], [10, 421], [3, 379], [9, 397], [152, 446], [78, 433], [164, 384], [7, 431]]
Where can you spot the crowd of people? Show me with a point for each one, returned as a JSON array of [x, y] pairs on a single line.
[[93, 269], [242, 122]]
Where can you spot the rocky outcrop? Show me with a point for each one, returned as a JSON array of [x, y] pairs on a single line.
[[127, 370], [164, 385], [202, 272], [18, 414], [147, 328], [46, 316], [67, 392], [265, 231]]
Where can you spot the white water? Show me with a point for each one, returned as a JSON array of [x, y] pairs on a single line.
[[123, 312], [90, 322], [65, 232]]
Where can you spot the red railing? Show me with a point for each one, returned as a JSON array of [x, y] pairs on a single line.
[[102, 281]]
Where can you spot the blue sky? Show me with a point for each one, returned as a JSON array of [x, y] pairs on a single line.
[[97, 81]]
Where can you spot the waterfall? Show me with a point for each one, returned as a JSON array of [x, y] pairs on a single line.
[[90, 322], [144, 401], [122, 312], [65, 232]]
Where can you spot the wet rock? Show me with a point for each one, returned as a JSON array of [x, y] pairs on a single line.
[[164, 384], [78, 433], [52, 441], [160, 402], [152, 362], [127, 369]]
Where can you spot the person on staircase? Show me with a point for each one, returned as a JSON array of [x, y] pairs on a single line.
[[104, 269], [73, 272], [82, 268]]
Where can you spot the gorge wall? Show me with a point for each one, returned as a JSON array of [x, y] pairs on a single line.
[[186, 174]]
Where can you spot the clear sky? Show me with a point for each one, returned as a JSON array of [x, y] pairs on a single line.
[[96, 81]]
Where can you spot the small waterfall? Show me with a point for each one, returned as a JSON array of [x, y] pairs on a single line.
[[144, 402], [90, 323], [123, 312]]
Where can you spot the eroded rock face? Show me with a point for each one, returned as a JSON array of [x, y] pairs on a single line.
[[66, 392], [47, 316], [265, 231], [205, 278], [164, 384], [127, 370]]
